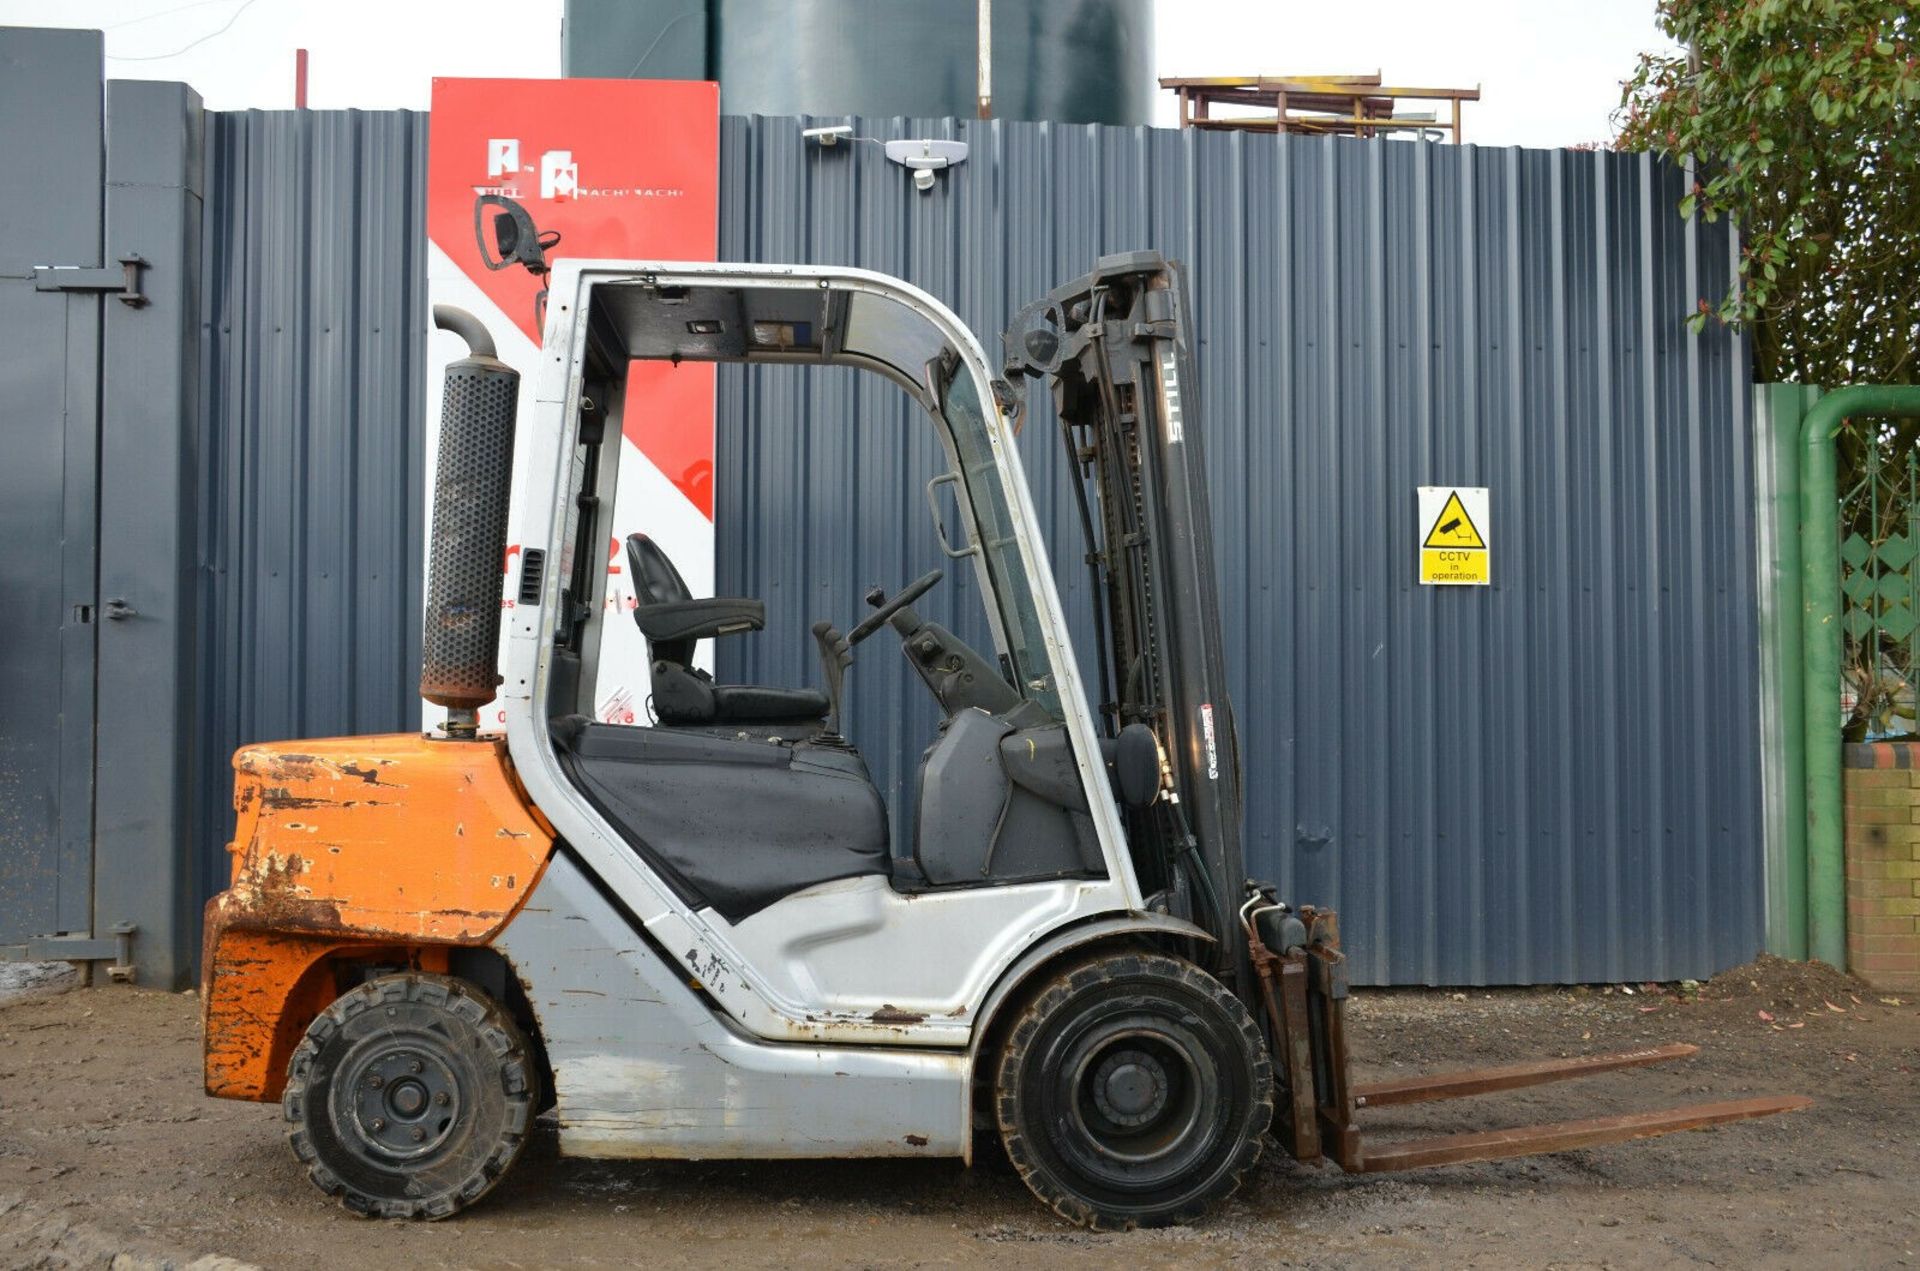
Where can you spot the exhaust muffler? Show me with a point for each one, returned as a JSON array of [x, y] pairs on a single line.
[[472, 487]]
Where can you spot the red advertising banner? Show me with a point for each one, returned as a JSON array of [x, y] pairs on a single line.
[[620, 169]]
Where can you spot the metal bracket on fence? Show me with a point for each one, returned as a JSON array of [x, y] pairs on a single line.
[[116, 950], [124, 282]]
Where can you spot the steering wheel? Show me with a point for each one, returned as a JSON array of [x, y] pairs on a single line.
[[887, 608]]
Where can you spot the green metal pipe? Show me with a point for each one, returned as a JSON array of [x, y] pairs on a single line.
[[1821, 641]]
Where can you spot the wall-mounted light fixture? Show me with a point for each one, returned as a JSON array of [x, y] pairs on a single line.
[[925, 157]]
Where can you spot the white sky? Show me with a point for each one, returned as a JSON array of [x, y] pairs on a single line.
[[1549, 70]]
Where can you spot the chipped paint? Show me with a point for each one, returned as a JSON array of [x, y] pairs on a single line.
[[393, 873]]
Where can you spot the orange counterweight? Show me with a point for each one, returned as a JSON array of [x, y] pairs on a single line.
[[350, 850]]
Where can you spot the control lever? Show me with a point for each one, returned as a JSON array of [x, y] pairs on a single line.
[[836, 650], [885, 608], [835, 657], [903, 619]]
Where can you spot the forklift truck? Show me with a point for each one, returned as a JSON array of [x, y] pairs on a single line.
[[693, 939]]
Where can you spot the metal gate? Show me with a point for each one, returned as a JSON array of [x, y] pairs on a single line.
[[52, 207], [99, 309]]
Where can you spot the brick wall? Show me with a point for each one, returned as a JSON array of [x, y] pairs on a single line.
[[1883, 863]]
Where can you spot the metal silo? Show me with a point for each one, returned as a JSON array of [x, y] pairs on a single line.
[[1075, 61]]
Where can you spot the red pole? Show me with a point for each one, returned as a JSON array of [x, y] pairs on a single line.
[[299, 79]]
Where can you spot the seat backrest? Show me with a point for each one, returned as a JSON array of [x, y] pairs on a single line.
[[655, 580], [681, 693]]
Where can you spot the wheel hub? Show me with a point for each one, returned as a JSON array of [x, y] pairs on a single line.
[[1130, 1088], [1134, 1089], [405, 1101]]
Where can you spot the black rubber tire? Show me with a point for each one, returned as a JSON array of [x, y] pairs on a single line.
[[360, 1052], [1178, 1053]]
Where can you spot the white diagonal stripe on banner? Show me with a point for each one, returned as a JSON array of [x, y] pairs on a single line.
[[648, 501]]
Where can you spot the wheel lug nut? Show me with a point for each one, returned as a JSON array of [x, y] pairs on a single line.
[[418, 1134], [379, 1124], [416, 1066], [442, 1099], [376, 1081]]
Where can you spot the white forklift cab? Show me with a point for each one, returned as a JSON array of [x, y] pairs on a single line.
[[741, 829], [693, 939]]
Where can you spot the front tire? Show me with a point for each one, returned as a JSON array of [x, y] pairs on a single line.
[[410, 1096], [1133, 1091]]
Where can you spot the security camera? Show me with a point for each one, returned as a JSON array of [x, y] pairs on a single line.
[[923, 179]]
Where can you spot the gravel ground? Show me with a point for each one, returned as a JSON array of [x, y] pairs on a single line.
[[109, 1154]]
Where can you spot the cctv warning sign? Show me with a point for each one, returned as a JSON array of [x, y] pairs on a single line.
[[1453, 536]]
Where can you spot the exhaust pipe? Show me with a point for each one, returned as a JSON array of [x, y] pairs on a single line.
[[472, 485]]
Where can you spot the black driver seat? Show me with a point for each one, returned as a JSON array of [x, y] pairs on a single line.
[[673, 622]]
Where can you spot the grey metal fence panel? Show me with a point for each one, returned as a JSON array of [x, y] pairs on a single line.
[[314, 377], [148, 562], [1552, 779]]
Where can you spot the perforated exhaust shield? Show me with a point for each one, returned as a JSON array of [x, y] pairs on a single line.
[[472, 485]]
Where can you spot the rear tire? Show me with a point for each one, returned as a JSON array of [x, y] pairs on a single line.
[[1133, 1091], [410, 1096]]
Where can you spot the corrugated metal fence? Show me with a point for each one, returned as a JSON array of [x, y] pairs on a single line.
[[1555, 779], [313, 373]]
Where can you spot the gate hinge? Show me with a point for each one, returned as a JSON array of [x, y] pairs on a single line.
[[124, 282], [116, 951]]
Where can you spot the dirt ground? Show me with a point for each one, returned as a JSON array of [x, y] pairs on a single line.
[[109, 1154]]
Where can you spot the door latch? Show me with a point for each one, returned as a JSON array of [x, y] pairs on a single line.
[[119, 610], [124, 282]]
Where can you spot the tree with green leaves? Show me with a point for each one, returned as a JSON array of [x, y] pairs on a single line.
[[1802, 121]]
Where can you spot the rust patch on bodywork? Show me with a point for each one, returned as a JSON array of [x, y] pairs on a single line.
[[396, 846], [260, 991], [894, 1015]]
